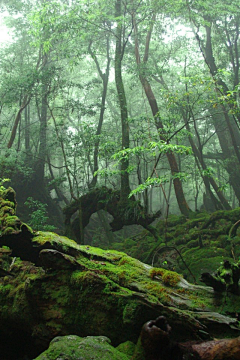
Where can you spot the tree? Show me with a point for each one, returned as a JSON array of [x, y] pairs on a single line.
[[226, 23], [182, 203], [66, 108], [119, 53]]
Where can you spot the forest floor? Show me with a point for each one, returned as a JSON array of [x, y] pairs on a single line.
[[189, 246]]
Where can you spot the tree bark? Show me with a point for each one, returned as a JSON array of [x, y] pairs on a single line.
[[105, 78], [40, 167], [206, 179], [119, 52], [25, 102], [182, 203], [231, 164], [26, 128], [220, 85]]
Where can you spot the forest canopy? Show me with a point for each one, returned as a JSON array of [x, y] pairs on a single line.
[[140, 97]]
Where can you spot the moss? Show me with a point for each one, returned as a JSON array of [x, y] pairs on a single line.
[[129, 312], [74, 347], [168, 277], [6, 204], [128, 348], [42, 238], [8, 230], [192, 244], [114, 294], [159, 292], [5, 289], [181, 231], [56, 327], [6, 210], [59, 295], [173, 220], [128, 243], [206, 259]]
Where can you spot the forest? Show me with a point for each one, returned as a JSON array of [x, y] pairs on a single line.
[[119, 146]]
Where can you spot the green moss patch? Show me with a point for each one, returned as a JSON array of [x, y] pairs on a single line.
[[72, 347]]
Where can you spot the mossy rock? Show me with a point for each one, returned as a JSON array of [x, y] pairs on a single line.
[[73, 347], [128, 348]]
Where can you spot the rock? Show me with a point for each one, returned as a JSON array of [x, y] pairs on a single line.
[[73, 347]]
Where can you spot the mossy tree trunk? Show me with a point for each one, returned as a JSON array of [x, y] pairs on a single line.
[[129, 212]]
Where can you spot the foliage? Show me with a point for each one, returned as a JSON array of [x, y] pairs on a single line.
[[38, 215], [151, 182], [56, 66]]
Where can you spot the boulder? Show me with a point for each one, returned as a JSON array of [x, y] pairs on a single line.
[[72, 347]]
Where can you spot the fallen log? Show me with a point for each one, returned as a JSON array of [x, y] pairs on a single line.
[[157, 345]]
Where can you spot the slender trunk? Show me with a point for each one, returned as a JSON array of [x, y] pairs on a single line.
[[42, 136], [182, 203], [230, 162], [119, 52], [24, 103], [220, 86], [60, 195], [26, 128], [105, 78], [19, 134], [107, 229], [208, 180]]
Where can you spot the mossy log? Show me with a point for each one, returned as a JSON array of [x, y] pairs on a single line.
[[232, 216], [127, 212], [202, 243]]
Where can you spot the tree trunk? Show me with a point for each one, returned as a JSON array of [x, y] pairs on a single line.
[[42, 137], [25, 102], [119, 52], [105, 78], [208, 180], [220, 85], [107, 229], [182, 203], [26, 128], [231, 164]]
